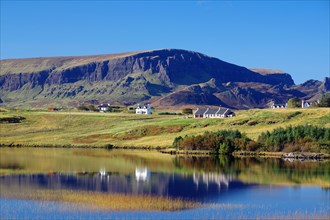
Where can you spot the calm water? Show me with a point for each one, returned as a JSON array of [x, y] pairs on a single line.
[[223, 187]]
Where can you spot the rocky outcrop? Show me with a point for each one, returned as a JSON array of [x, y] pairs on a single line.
[[277, 75]]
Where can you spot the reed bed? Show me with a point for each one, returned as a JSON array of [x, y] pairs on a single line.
[[104, 201]]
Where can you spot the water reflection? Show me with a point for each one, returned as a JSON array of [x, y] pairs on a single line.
[[197, 186], [140, 165], [259, 170], [142, 174], [210, 178], [257, 184]]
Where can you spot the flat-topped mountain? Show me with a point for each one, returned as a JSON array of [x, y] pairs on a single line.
[[166, 77]]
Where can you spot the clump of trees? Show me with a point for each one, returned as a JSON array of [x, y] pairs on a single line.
[[220, 142], [325, 101], [294, 103], [187, 111], [87, 108], [305, 138], [300, 138], [169, 113], [114, 108]]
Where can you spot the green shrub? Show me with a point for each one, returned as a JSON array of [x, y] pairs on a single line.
[[325, 101], [220, 142], [87, 108], [302, 138], [167, 113], [294, 103], [187, 111]]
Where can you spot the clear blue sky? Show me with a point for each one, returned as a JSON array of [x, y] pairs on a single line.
[[289, 35]]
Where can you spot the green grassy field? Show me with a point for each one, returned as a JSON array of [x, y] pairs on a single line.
[[123, 129]]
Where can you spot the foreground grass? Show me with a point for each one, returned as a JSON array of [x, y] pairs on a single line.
[[42, 128], [105, 201]]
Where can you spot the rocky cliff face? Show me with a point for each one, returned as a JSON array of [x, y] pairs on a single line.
[[277, 75], [169, 66], [170, 77]]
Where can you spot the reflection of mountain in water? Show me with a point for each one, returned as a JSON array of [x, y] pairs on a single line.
[[196, 186]]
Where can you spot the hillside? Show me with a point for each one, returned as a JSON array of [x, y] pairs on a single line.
[[164, 78], [45, 128]]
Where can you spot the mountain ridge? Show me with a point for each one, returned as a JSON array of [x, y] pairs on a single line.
[[164, 76]]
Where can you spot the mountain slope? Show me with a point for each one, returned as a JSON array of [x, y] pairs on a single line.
[[167, 77]]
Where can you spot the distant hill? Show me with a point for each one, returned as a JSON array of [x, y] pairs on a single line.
[[166, 77]]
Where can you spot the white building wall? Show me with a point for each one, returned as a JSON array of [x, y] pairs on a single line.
[[144, 110]]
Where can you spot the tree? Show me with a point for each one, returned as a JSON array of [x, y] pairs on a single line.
[[176, 142], [87, 108], [187, 111], [92, 108], [83, 108], [294, 103], [325, 101]]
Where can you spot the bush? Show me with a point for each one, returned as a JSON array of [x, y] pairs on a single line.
[[87, 108], [300, 138], [167, 113], [220, 142], [325, 101], [176, 142], [294, 103], [187, 111], [114, 108], [304, 138]]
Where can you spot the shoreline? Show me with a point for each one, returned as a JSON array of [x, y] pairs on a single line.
[[309, 156]]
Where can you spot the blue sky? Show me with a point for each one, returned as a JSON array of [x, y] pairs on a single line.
[[292, 36]]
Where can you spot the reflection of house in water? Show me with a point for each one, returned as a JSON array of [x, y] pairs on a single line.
[[142, 174], [214, 178], [141, 182], [103, 172]]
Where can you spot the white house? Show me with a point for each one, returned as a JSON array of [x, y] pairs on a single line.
[[275, 105], [305, 104], [221, 112], [103, 107], [145, 109]]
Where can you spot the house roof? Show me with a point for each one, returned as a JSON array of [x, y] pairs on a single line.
[[104, 105], [143, 106], [211, 111], [200, 111], [225, 111]]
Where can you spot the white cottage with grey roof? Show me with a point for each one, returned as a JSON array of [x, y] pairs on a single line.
[[144, 109], [103, 107], [220, 112]]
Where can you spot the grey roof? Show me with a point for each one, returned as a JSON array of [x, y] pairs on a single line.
[[143, 106], [104, 105], [200, 111], [211, 111], [225, 111], [221, 111]]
